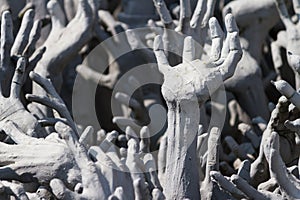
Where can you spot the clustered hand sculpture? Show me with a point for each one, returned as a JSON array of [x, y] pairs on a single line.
[[251, 150]]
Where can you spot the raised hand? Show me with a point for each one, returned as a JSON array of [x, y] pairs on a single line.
[[91, 186], [12, 109], [71, 37], [184, 86], [20, 50], [22, 46], [198, 78], [21, 161]]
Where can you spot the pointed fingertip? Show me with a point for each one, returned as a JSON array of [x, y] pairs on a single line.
[[230, 23], [145, 132], [21, 64], [212, 22], [235, 43], [133, 145], [51, 6], [112, 136], [30, 13], [27, 96], [188, 41], [129, 130], [32, 75], [215, 130], [6, 14]]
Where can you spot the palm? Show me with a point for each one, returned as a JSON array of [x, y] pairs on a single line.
[[12, 109], [195, 79], [190, 81]]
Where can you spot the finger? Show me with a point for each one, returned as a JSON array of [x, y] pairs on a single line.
[[185, 17], [18, 78], [283, 13], [246, 188], [44, 83], [227, 185], [225, 168], [162, 61], [296, 5], [92, 75], [288, 183], [210, 7], [22, 37], [247, 131], [126, 100], [51, 121], [98, 155], [44, 100], [131, 134], [293, 125], [58, 19], [109, 141], [118, 31], [212, 163], [227, 68], [157, 194], [110, 22], [33, 38], [145, 140], [188, 54], [16, 190], [19, 137], [133, 161], [60, 191], [244, 170], [162, 156], [217, 39], [231, 28], [119, 193], [155, 29], [134, 40], [150, 166], [234, 147], [198, 15], [6, 39], [88, 131], [123, 152], [288, 91], [294, 61], [139, 188], [85, 9], [164, 13], [124, 122], [34, 59]]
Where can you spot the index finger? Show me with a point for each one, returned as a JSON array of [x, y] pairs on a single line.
[[283, 13], [164, 13]]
